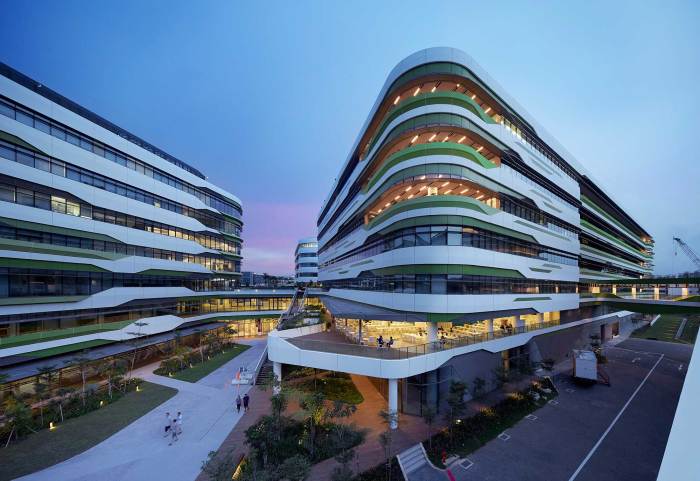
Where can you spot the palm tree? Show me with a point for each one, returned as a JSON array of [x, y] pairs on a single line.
[[83, 362]]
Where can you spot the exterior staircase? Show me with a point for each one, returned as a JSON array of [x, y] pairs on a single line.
[[265, 375]]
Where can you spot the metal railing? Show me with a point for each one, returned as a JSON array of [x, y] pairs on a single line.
[[415, 350]]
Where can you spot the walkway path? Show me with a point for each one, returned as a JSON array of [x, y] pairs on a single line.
[[140, 452]]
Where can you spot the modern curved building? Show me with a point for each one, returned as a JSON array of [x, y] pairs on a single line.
[[306, 261], [462, 234], [103, 236], [454, 205]]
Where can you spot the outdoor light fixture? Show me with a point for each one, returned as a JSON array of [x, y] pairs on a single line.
[[422, 177], [102, 403], [138, 388], [52, 426]]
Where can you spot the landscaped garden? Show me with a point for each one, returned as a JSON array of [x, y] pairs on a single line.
[[667, 326], [335, 386], [285, 447], [37, 446], [193, 363]]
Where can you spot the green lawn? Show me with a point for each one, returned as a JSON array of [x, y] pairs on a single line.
[[194, 374], [666, 327], [24, 339], [46, 448], [55, 351], [334, 388]]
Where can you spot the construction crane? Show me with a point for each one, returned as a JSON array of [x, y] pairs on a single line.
[[688, 252]]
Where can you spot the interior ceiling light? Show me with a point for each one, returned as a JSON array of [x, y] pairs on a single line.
[[473, 96], [422, 177], [481, 147], [408, 188], [416, 91], [433, 89], [458, 85], [410, 196], [414, 139], [397, 100], [424, 187], [479, 198], [445, 139], [443, 185], [387, 204], [465, 190], [447, 192], [432, 137], [487, 110], [462, 139], [397, 197]]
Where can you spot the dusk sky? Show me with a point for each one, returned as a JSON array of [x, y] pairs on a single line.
[[266, 98]]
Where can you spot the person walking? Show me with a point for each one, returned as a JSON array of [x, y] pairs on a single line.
[[179, 423], [380, 342], [173, 431], [167, 425], [246, 399], [238, 403]]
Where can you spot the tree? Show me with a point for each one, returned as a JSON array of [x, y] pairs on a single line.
[[19, 418], [111, 370], [479, 386], [219, 468], [83, 362], [137, 335], [386, 438], [295, 468], [343, 472], [318, 412], [455, 402], [429, 413]]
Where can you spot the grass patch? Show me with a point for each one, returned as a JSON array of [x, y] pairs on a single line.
[[24, 339], [334, 388], [46, 448], [198, 371], [55, 351], [688, 299], [666, 327]]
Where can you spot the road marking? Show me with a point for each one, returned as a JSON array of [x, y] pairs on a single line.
[[503, 436], [468, 462], [531, 417], [583, 463]]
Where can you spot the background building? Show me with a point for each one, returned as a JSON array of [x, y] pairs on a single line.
[[306, 261]]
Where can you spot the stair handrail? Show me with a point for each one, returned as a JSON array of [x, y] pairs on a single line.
[[259, 365]]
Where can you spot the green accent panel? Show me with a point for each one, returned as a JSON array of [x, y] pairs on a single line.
[[553, 266], [552, 207], [546, 231], [13, 301], [165, 272], [537, 269], [233, 219], [437, 98], [55, 351], [435, 148], [614, 239], [342, 272], [456, 220], [231, 236], [598, 209], [433, 201], [227, 254], [13, 139], [219, 317], [25, 246], [56, 230], [369, 261], [61, 266], [525, 299], [459, 269], [439, 317], [598, 275]]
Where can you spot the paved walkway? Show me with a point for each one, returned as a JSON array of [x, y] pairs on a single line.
[[140, 452]]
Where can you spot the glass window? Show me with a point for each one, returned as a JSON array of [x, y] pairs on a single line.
[[58, 168], [58, 204], [438, 236], [7, 193], [42, 164], [7, 110], [43, 126], [42, 201], [72, 138], [25, 159], [7, 153], [25, 118], [58, 132], [72, 209], [25, 197], [85, 144]]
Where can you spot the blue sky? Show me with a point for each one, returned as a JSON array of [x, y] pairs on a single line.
[[266, 98]]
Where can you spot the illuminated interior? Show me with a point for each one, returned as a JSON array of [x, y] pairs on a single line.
[[431, 185]]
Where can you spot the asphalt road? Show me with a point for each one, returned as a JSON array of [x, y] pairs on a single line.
[[595, 433]]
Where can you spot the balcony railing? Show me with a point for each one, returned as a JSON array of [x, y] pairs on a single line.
[[415, 350]]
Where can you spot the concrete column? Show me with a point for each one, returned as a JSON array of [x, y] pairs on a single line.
[[489, 325], [394, 401], [359, 332], [432, 331], [540, 318], [431, 389], [277, 372], [519, 322]]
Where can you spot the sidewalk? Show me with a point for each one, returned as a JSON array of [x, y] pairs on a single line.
[[140, 452]]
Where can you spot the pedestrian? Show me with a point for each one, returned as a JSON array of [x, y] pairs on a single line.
[[380, 341], [246, 399], [167, 425], [238, 403], [179, 423], [391, 342], [173, 431]]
